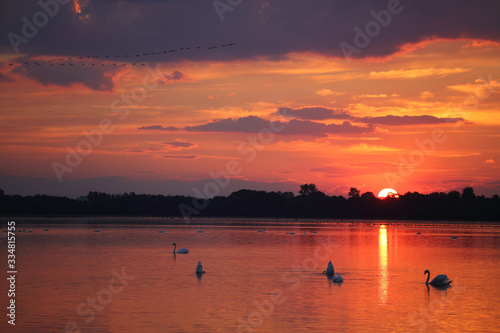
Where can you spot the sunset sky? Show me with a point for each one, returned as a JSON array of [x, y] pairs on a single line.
[[260, 91]]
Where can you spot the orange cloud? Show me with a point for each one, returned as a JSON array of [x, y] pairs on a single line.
[[416, 73], [328, 92], [426, 95]]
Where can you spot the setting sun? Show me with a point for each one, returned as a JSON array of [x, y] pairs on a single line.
[[386, 192]]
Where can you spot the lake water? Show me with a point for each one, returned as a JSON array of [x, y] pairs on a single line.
[[126, 279]]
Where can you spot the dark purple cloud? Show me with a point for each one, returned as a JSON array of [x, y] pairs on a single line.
[[250, 124], [283, 26], [183, 157], [179, 144], [317, 113], [407, 120], [320, 113], [147, 32], [68, 73], [159, 127], [311, 128], [174, 76], [253, 124]]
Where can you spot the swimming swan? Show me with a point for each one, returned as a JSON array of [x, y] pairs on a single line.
[[199, 268], [181, 250], [330, 272], [329, 269], [337, 278], [440, 280]]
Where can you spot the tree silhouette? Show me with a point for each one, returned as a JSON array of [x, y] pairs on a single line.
[[250, 203], [308, 189], [353, 193], [454, 195], [468, 194], [367, 195]]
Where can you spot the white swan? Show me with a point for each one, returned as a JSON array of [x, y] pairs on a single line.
[[337, 278], [440, 280], [199, 268], [330, 272], [181, 250], [329, 269]]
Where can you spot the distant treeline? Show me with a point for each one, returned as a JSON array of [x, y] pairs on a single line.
[[310, 203]]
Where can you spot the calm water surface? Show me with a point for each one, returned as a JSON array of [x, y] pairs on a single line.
[[69, 279]]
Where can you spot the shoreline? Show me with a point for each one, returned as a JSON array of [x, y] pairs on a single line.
[[228, 221]]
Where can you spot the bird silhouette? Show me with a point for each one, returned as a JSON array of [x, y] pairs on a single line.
[[439, 280], [80, 58]]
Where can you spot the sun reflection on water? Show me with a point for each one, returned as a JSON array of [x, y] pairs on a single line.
[[382, 263]]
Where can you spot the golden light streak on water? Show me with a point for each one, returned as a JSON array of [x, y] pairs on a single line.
[[382, 262]]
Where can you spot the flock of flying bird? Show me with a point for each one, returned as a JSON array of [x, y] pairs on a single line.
[[440, 280], [90, 60]]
